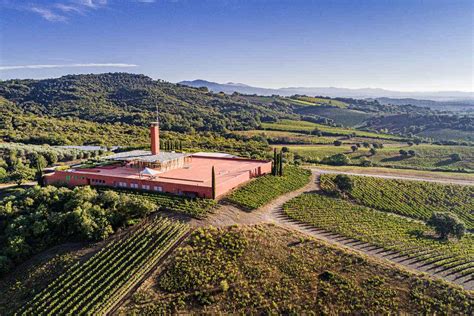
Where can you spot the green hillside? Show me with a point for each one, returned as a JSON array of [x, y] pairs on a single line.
[[132, 99]]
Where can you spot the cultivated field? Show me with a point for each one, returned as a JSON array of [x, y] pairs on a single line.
[[94, 286], [308, 127], [427, 157], [264, 189], [390, 232], [269, 270], [414, 199]]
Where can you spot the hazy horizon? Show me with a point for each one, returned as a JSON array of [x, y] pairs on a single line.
[[407, 46]]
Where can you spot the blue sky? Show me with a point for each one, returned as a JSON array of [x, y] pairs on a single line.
[[405, 45]]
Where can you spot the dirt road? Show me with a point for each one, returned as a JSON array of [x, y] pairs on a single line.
[[395, 175]]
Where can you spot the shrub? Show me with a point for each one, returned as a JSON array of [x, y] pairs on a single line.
[[365, 162], [354, 148], [337, 143]]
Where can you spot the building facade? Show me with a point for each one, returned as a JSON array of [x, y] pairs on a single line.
[[167, 172]]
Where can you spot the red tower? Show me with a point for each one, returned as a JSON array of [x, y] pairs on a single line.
[[155, 138]]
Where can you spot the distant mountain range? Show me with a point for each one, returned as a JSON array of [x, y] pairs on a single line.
[[466, 98]]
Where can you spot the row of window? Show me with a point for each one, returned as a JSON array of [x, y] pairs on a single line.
[[135, 186]]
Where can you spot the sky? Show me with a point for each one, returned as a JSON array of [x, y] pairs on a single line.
[[406, 45]]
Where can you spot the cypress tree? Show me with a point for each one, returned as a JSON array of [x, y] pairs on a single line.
[[275, 162], [213, 183], [281, 164], [277, 165]]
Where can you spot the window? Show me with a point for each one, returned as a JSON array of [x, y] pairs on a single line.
[[134, 185], [145, 187], [122, 184], [68, 178], [157, 188]]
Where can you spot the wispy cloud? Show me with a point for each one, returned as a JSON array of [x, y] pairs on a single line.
[[48, 14], [90, 65], [60, 11]]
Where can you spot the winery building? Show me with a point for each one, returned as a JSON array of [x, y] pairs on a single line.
[[170, 172]]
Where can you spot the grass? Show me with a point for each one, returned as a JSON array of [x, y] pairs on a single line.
[[346, 117], [285, 137], [304, 100], [416, 199], [428, 157], [269, 270], [264, 189], [307, 127], [390, 232]]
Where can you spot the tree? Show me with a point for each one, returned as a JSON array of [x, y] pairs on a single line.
[[354, 148], [337, 160], [403, 153], [343, 182], [410, 143], [275, 162], [412, 152], [213, 180], [372, 151], [280, 171], [285, 149], [21, 174], [455, 157], [366, 144], [445, 224], [337, 143]]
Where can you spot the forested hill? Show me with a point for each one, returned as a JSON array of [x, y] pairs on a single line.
[[132, 99]]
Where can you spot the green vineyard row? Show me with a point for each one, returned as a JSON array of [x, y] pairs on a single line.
[[264, 189], [94, 286], [408, 237], [416, 199]]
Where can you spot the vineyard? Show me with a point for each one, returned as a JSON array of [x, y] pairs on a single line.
[[416, 199], [268, 270], [390, 232], [309, 127], [427, 156], [196, 207], [92, 287], [264, 189]]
